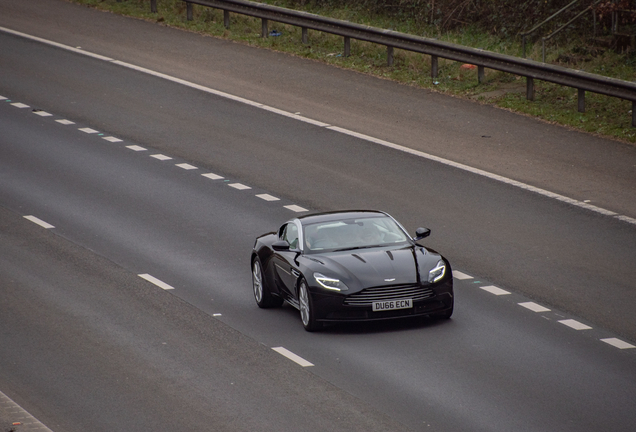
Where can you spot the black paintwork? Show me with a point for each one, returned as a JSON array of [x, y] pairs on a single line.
[[386, 266]]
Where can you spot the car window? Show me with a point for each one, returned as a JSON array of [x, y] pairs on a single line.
[[353, 234], [289, 233]]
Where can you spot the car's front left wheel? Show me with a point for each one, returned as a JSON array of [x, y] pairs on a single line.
[[306, 308], [264, 299]]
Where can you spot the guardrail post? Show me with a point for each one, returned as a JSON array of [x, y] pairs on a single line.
[[433, 66], [347, 46], [581, 100], [226, 19], [530, 88], [633, 113], [389, 56], [153, 6], [305, 39], [481, 74], [264, 27], [189, 11]]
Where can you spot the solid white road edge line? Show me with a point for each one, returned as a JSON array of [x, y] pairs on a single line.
[[388, 144], [293, 357], [16, 414]]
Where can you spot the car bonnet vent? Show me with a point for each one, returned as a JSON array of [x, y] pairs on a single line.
[[359, 257]]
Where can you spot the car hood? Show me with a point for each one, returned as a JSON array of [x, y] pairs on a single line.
[[373, 267]]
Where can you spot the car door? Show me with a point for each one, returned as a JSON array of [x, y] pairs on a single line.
[[286, 269]]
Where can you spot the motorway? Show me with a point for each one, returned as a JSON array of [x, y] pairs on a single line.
[[127, 173]]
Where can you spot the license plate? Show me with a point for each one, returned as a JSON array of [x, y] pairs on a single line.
[[392, 304]]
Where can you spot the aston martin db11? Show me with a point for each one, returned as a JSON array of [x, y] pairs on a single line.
[[350, 266]]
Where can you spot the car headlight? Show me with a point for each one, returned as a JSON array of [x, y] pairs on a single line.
[[438, 272], [330, 283]]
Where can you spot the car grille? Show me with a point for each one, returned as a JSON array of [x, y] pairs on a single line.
[[369, 295]]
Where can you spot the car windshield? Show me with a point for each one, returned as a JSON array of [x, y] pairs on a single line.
[[349, 234]]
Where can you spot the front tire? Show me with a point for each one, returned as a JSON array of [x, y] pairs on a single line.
[[264, 299], [307, 315]]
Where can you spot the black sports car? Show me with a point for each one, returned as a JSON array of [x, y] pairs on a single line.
[[350, 266]]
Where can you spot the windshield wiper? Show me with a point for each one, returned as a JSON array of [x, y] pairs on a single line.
[[357, 247]]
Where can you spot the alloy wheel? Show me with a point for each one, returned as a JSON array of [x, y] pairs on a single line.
[[257, 281]]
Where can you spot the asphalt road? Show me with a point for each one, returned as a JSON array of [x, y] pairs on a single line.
[[94, 354], [495, 366], [87, 345]]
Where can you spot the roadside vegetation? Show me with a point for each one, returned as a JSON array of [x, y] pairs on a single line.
[[486, 24]]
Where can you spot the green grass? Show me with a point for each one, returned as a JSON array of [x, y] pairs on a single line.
[[606, 116]]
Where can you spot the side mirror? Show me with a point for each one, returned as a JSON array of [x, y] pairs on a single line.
[[421, 233], [280, 245]]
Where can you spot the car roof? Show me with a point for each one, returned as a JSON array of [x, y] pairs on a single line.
[[339, 215]]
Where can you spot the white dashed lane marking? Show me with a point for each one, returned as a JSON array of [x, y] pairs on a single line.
[[155, 281], [239, 186], [136, 148], [461, 276], [494, 290], [296, 208], [267, 197], [293, 357], [575, 324], [618, 343], [186, 166], [212, 176], [42, 113], [39, 222], [534, 307]]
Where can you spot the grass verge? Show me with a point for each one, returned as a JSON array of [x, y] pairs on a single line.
[[606, 116]]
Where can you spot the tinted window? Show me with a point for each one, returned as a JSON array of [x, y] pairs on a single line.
[[353, 234], [289, 233]]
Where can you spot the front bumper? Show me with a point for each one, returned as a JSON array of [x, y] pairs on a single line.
[[330, 307]]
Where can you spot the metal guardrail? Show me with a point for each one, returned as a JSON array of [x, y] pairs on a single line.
[[583, 81]]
